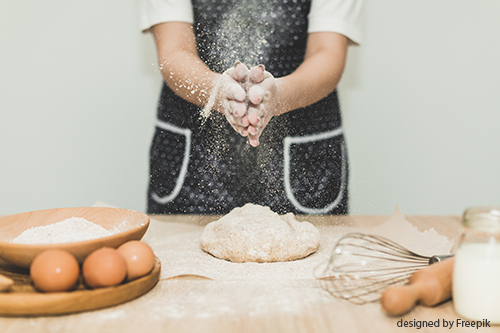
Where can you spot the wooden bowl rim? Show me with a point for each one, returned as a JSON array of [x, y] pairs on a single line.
[[144, 224]]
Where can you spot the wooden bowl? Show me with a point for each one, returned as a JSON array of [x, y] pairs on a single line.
[[131, 225]]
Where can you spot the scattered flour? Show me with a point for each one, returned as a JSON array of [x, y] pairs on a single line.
[[74, 229], [234, 42]]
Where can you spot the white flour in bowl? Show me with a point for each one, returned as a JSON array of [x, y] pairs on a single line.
[[74, 229]]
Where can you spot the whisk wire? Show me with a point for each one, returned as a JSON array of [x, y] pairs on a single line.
[[367, 294], [397, 259], [362, 266], [381, 241], [391, 270]]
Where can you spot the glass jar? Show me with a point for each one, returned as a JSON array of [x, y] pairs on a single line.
[[476, 273]]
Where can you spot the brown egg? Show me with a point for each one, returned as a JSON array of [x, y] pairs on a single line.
[[104, 267], [54, 270], [139, 256]]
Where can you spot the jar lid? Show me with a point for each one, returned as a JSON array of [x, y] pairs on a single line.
[[484, 218]]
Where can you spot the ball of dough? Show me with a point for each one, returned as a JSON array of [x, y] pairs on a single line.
[[254, 233]]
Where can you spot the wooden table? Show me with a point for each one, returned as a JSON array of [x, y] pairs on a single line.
[[236, 306]]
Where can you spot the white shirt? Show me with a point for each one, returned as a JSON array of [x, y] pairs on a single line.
[[340, 16]]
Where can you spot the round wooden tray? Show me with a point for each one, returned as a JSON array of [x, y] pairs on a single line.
[[23, 300]]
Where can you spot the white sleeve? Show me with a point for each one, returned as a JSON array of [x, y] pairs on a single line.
[[341, 16], [152, 12]]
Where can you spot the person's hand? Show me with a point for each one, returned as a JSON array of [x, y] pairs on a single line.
[[232, 97], [262, 101]]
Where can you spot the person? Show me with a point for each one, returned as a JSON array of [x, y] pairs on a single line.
[[249, 110]]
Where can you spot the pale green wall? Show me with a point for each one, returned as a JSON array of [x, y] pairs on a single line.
[[421, 103]]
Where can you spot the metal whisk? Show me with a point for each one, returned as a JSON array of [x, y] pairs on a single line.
[[362, 266]]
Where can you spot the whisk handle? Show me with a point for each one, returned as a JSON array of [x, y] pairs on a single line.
[[438, 258], [429, 286]]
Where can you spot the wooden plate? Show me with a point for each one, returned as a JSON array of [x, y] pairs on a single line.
[[131, 225], [24, 300]]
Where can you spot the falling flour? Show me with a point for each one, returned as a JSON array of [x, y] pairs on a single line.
[[74, 229], [233, 42]]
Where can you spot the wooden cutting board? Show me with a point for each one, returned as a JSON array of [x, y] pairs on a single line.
[[23, 300]]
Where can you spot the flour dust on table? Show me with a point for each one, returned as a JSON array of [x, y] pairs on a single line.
[[254, 233]]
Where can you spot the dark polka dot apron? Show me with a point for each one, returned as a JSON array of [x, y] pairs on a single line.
[[205, 167]]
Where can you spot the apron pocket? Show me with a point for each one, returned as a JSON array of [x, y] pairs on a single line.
[[169, 161], [315, 171]]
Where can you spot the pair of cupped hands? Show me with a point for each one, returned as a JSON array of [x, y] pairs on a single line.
[[248, 99]]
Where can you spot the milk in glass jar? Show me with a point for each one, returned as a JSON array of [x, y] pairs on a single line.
[[476, 274]]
